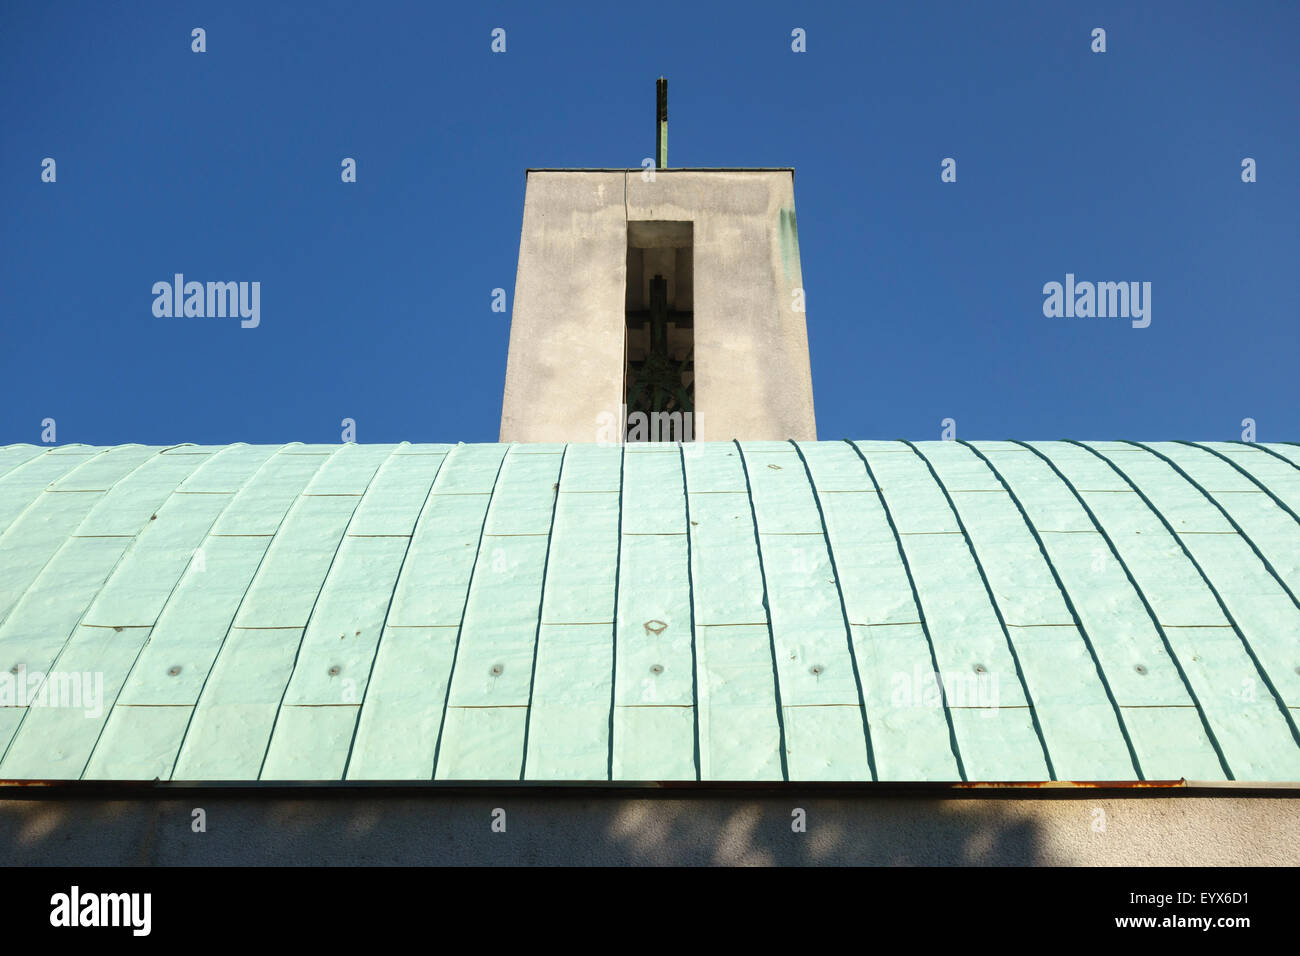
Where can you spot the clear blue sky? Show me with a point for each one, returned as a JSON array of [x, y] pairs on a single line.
[[924, 298]]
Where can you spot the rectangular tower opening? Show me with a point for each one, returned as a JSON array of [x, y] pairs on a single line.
[[659, 318]]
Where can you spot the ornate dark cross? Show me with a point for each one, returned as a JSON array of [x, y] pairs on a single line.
[[658, 383]]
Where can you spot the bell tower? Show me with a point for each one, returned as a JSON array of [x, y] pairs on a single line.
[[658, 304]]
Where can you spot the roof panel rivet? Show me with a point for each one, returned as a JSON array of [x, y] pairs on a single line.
[[335, 670], [173, 671], [1140, 668], [816, 670], [498, 670], [656, 668], [18, 667], [980, 669]]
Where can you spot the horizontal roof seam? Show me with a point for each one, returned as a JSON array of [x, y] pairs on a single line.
[[358, 706], [142, 706], [991, 707], [487, 706], [656, 706], [805, 706], [1158, 706]]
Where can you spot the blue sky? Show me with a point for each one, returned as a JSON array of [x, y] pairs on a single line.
[[924, 298]]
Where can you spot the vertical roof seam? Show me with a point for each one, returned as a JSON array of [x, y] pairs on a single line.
[[541, 603], [920, 609], [1258, 484], [1078, 622], [1160, 629], [767, 611], [198, 699], [383, 627], [848, 628], [1258, 554], [31, 504], [993, 602], [89, 604], [1269, 451], [690, 590], [109, 711], [1250, 651], [464, 607], [613, 627], [302, 638]]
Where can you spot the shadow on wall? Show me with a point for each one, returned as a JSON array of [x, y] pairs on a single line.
[[351, 829]]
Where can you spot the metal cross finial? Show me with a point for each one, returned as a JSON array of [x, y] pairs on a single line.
[[661, 123]]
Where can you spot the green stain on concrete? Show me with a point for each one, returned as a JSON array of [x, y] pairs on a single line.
[[789, 242]]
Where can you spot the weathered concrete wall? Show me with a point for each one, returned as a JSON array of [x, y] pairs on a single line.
[[699, 829], [566, 331], [753, 378]]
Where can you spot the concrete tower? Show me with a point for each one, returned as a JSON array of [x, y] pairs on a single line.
[[673, 293]]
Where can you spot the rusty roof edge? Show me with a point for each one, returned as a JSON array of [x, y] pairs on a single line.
[[1053, 789]]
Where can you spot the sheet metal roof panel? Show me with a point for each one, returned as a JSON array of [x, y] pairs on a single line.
[[591, 468], [231, 725], [835, 467], [193, 625], [714, 467], [725, 562], [134, 595], [55, 739], [906, 705], [747, 623], [398, 495], [138, 743], [569, 713], [127, 507], [289, 580], [397, 731], [12, 456], [873, 580]]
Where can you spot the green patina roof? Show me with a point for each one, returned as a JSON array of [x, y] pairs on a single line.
[[1101, 611]]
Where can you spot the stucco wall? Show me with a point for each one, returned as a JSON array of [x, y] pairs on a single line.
[[697, 829], [753, 379]]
